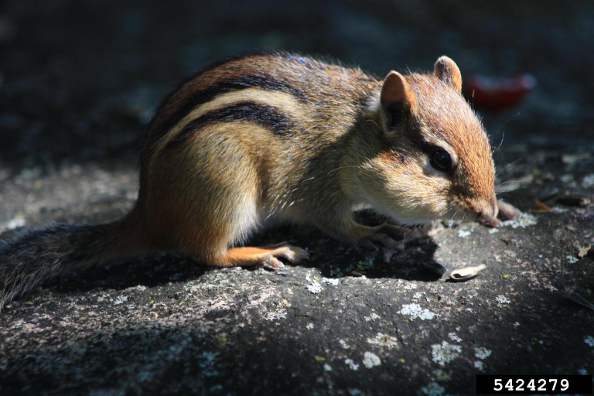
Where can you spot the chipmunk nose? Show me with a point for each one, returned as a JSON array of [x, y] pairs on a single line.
[[487, 212]]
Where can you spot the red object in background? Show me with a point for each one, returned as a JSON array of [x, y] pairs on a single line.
[[496, 93]]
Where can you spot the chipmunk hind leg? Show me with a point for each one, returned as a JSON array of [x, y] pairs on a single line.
[[264, 256], [245, 220], [207, 197], [237, 220]]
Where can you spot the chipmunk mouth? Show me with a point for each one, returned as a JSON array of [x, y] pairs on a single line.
[[488, 221], [463, 213]]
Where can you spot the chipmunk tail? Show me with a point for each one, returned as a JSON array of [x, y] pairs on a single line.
[[34, 258]]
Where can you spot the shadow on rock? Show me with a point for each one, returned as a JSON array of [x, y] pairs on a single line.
[[414, 261], [151, 271], [334, 259]]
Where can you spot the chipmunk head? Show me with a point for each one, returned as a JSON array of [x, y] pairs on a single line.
[[436, 159]]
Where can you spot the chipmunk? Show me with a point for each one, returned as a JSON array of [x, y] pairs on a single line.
[[271, 138]]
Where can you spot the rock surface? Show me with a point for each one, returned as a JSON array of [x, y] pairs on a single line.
[[344, 323]]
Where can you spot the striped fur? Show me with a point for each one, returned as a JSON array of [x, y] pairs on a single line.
[[281, 137], [238, 83], [263, 115], [327, 117], [275, 101]]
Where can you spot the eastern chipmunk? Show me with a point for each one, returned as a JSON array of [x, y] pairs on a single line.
[[280, 137]]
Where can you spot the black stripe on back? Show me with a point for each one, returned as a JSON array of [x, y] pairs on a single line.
[[239, 83], [266, 116]]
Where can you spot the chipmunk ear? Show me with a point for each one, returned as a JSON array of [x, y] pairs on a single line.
[[397, 98], [448, 71]]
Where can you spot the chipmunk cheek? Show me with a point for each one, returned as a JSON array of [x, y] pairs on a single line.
[[458, 207], [392, 160]]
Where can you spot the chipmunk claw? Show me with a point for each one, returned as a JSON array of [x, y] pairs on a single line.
[[390, 246], [384, 240], [290, 253], [272, 263], [293, 254]]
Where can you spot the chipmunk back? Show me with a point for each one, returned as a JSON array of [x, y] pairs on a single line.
[[280, 137]]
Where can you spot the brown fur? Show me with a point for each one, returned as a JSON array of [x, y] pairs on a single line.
[[304, 141], [199, 196], [441, 111]]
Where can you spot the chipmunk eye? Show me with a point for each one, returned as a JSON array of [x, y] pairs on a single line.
[[441, 160]]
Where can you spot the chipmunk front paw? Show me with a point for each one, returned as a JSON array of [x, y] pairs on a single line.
[[508, 211], [387, 238]]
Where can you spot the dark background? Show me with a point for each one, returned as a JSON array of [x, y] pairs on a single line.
[[79, 81]]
